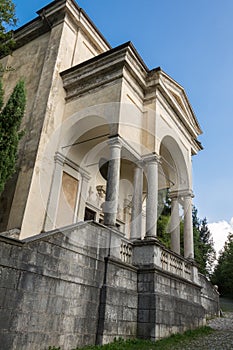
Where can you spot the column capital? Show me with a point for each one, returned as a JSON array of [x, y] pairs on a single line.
[[139, 164], [181, 194], [151, 158], [174, 195], [187, 194], [115, 142]]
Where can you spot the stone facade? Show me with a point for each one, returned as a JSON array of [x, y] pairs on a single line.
[[94, 113], [104, 137], [81, 286]]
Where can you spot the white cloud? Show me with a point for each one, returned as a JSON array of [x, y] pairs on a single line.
[[220, 230]]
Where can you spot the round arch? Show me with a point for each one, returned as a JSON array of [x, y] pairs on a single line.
[[174, 165]]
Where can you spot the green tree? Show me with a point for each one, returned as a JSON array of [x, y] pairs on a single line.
[[204, 252], [207, 247], [223, 272], [7, 20], [162, 228], [10, 119], [164, 209]]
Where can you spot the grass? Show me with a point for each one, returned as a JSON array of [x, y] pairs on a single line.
[[173, 342]]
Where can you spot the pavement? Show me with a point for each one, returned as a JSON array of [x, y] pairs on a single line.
[[221, 339]]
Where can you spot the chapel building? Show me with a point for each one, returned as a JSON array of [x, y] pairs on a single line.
[[104, 134], [107, 141]]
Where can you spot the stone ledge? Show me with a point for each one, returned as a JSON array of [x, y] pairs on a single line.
[[121, 263], [153, 269]]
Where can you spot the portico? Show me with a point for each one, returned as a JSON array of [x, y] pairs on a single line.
[[140, 144], [113, 135]]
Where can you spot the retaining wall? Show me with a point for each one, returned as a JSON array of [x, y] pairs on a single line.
[[70, 288]]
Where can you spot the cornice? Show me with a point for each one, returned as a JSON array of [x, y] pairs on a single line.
[[155, 83], [196, 146], [62, 159], [194, 132], [108, 67], [55, 13], [48, 17], [94, 73], [180, 91]]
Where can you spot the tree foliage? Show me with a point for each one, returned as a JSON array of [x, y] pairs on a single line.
[[203, 244], [204, 252], [7, 20], [223, 272], [164, 209], [10, 134]]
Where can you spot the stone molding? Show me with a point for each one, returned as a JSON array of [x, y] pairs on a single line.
[[13, 233], [54, 14], [127, 151], [181, 194], [104, 69], [61, 160], [120, 263], [115, 142], [152, 157]]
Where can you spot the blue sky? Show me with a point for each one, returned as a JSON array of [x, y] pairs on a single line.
[[192, 42]]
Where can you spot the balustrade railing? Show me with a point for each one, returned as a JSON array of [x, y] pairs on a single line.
[[142, 254], [176, 265], [126, 252]]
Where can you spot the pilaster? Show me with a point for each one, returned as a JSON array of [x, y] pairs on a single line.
[[54, 195]]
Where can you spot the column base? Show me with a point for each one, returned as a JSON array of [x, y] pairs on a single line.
[[191, 260], [151, 238], [135, 240], [110, 225]]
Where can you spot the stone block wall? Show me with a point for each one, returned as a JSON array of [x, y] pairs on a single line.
[[70, 288], [209, 297], [167, 304], [50, 290], [119, 302]]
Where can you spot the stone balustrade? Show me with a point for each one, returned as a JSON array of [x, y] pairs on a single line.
[[164, 259], [144, 252], [175, 265], [126, 252]]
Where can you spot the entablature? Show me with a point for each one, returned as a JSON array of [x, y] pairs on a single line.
[[108, 67]]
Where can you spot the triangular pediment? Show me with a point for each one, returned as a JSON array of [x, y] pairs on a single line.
[[178, 100], [177, 96]]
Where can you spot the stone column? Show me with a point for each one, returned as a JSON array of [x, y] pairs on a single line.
[[152, 196], [112, 190], [188, 226], [175, 224], [136, 217]]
